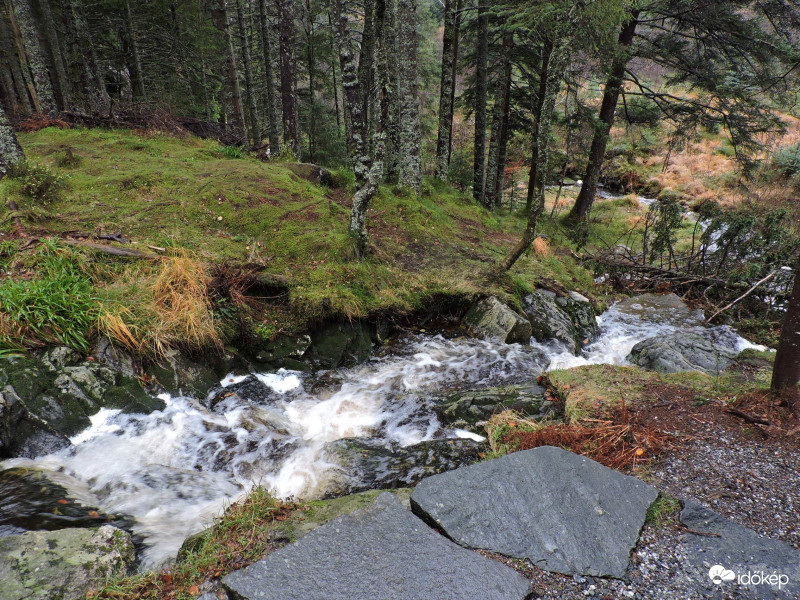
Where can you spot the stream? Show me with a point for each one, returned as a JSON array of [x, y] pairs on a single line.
[[175, 469]]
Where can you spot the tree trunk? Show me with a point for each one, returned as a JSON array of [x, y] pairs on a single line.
[[286, 15], [554, 68], [391, 87], [135, 61], [611, 93], [22, 17], [11, 72], [311, 60], [269, 75], [500, 117], [536, 109], [366, 64], [63, 84], [10, 150], [481, 76], [410, 154], [786, 371], [447, 83], [83, 59], [222, 22], [249, 87]]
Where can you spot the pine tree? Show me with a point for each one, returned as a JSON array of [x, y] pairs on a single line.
[[444, 141], [410, 151]]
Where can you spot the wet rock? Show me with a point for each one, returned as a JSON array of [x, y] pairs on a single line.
[[178, 374], [471, 409], [563, 512], [367, 464], [30, 500], [60, 357], [682, 351], [382, 551], [741, 551], [64, 564], [43, 403], [583, 317], [548, 320], [115, 358], [490, 319], [339, 345], [283, 347]]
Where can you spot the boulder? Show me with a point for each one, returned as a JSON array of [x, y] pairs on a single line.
[[471, 409], [367, 464], [44, 402], [284, 350], [339, 345], [682, 351], [382, 551], [176, 373], [64, 564], [740, 551], [563, 512], [490, 319], [569, 319]]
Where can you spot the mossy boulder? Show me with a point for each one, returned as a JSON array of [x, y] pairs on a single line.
[[62, 565], [45, 401], [490, 319], [471, 409], [570, 319], [339, 344]]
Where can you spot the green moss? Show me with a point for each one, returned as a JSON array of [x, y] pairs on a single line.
[[663, 511]]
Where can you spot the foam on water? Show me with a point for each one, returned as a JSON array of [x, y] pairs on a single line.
[[174, 469]]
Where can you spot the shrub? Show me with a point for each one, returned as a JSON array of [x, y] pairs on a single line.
[[37, 182], [787, 161], [641, 110]]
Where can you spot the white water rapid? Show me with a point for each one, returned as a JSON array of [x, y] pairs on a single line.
[[174, 469]]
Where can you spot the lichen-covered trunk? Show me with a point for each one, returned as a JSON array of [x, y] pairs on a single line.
[[786, 370], [83, 60], [286, 49], [410, 154], [18, 100], [366, 64], [608, 107], [134, 58], [273, 132], [479, 109], [63, 86], [249, 82], [444, 138], [22, 17], [10, 150], [536, 109], [234, 90], [391, 87], [554, 68], [498, 143]]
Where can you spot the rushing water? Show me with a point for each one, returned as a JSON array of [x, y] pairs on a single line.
[[174, 469]]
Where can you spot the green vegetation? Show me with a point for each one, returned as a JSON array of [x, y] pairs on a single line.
[[663, 511]]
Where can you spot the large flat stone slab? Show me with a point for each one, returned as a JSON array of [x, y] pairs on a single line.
[[564, 512], [760, 567], [382, 552]]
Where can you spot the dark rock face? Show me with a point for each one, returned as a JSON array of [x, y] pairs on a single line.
[[569, 319], [684, 351], [339, 345], [382, 551], [284, 351], [490, 319], [367, 464], [563, 512], [65, 564], [742, 552], [43, 402], [471, 409]]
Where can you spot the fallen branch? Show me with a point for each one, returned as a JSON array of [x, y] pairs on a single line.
[[114, 237], [743, 296], [749, 418], [113, 250]]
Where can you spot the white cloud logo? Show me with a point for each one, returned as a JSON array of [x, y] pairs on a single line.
[[718, 574]]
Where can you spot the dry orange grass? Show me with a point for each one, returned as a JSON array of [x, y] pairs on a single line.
[[541, 247]]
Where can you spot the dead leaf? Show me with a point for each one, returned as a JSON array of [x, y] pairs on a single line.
[[63, 501], [194, 590]]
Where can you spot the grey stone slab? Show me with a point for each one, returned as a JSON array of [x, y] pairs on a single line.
[[748, 557], [382, 552], [564, 512]]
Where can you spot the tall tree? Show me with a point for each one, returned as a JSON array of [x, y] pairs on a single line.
[[11, 70], [134, 58], [10, 150], [51, 34], [269, 78], [83, 60], [479, 109], [234, 90], [444, 139], [786, 370], [249, 82], [410, 154], [24, 26], [286, 31], [602, 128], [495, 168]]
